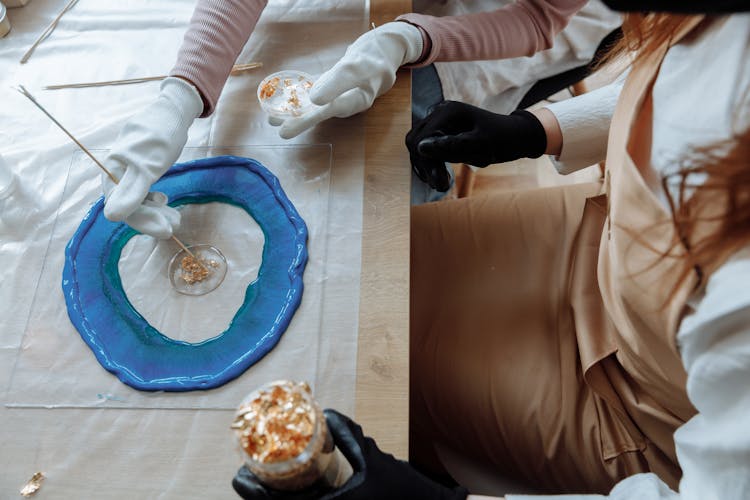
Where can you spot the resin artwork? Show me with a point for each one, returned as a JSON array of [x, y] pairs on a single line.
[[127, 345]]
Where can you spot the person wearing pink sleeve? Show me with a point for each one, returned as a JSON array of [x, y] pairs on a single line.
[[217, 32], [518, 29], [152, 140], [210, 47], [368, 69]]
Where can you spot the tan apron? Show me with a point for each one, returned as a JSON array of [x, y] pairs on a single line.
[[543, 331]]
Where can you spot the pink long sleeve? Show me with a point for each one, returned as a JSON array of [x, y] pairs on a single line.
[[519, 29], [218, 30]]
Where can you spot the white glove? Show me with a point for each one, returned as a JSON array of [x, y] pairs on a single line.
[[367, 71], [148, 144]]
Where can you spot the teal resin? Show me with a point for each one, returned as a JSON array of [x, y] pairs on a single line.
[[124, 342]]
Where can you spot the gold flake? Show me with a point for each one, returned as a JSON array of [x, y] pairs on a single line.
[[275, 426], [33, 485]]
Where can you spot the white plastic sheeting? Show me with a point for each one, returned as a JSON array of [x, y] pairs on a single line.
[[55, 368], [94, 437]]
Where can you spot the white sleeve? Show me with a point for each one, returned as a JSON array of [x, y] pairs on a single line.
[[713, 447], [584, 121]]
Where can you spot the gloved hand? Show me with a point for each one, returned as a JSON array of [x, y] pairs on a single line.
[[247, 486], [376, 474], [461, 133], [148, 144], [366, 71]]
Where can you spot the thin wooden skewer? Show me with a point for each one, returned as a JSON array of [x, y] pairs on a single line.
[[238, 68], [114, 179], [30, 97], [241, 68], [101, 84], [47, 31]]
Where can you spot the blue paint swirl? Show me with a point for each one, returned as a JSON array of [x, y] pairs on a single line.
[[127, 345]]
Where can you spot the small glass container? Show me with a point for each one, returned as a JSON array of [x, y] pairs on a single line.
[[286, 94], [200, 274], [15, 3], [285, 441], [4, 21]]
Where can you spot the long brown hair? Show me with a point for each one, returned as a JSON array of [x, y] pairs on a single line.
[[713, 222], [711, 212], [642, 34]]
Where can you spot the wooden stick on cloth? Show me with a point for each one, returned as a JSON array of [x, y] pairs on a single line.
[[49, 29], [114, 179], [236, 69]]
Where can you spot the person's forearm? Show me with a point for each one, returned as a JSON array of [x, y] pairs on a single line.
[[519, 29], [217, 33], [551, 128], [584, 124]]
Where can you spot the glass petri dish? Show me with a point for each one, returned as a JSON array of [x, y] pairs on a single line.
[[285, 94], [191, 277]]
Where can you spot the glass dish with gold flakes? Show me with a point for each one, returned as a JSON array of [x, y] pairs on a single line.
[[197, 272], [286, 94]]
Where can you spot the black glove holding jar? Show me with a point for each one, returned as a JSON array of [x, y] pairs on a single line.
[[376, 474]]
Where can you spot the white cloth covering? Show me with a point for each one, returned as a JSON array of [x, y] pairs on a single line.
[[110, 452], [702, 95]]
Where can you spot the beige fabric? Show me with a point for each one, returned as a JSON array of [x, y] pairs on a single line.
[[543, 331]]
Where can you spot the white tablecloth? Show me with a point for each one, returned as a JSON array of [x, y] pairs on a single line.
[[96, 447]]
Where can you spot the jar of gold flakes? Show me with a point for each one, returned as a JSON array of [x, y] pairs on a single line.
[[285, 440]]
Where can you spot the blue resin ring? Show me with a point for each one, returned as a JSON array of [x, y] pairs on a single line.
[[124, 342]]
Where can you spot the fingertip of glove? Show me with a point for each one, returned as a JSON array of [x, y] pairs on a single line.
[[163, 234], [332, 414], [117, 209], [275, 121], [427, 146], [318, 98], [340, 424], [323, 91], [113, 214], [288, 132]]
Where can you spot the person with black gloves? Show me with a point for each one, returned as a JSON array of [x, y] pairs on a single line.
[[376, 474], [458, 132], [588, 339], [594, 338]]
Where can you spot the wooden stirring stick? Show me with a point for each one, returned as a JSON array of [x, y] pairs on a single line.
[[114, 179], [47, 31], [236, 69], [102, 84]]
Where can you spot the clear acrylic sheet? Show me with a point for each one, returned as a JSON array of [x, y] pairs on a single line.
[[55, 368]]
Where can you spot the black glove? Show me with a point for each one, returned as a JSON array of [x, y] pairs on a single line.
[[461, 133], [247, 485], [378, 475]]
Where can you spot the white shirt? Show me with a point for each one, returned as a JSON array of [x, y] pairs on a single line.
[[499, 85], [701, 96]]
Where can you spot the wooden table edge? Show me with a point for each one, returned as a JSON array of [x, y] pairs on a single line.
[[382, 385]]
